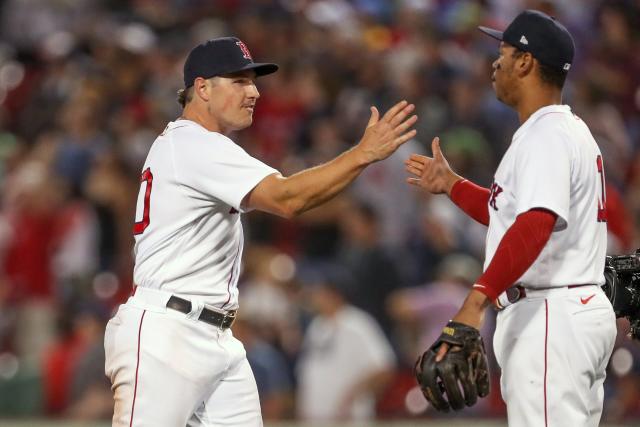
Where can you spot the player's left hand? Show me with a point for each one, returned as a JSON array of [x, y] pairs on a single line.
[[432, 174], [463, 360]]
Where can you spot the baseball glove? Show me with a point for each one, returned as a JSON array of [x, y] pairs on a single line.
[[465, 363]]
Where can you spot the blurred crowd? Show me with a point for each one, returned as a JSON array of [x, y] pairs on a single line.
[[336, 305]]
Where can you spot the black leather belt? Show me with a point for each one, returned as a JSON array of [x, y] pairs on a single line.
[[215, 318]]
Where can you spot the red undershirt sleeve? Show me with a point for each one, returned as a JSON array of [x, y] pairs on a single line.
[[516, 252], [472, 199]]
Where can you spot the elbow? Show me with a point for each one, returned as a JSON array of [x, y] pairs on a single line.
[[283, 207], [285, 201], [286, 214], [291, 210]]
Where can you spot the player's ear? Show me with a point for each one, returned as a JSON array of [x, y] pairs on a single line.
[[525, 64], [201, 88]]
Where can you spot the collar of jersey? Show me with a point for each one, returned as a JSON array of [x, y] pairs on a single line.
[[539, 113], [182, 122]]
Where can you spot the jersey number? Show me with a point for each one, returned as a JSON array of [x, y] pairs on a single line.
[[602, 202], [146, 182]]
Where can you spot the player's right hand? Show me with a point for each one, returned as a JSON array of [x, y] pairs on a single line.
[[384, 135], [432, 174]]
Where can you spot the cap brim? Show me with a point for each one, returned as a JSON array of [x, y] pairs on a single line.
[[491, 32], [261, 69]]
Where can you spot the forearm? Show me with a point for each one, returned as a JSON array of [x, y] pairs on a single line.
[[293, 195], [472, 199], [312, 187]]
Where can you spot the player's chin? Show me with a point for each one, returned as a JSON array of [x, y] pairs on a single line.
[[244, 122], [498, 92]]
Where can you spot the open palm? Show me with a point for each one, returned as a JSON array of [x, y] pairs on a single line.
[[432, 174]]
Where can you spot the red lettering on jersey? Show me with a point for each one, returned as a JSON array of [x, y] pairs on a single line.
[[602, 202], [245, 50], [495, 191], [147, 179]]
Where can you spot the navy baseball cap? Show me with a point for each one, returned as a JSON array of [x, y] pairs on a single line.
[[219, 56], [541, 35]]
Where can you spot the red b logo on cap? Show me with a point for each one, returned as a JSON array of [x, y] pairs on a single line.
[[245, 50]]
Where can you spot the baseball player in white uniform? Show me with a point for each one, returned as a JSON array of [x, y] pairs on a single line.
[[170, 354], [546, 242]]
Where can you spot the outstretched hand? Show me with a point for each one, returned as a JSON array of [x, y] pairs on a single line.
[[384, 135], [432, 174]]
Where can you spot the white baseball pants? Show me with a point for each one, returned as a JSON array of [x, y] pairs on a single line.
[[553, 347], [169, 369]]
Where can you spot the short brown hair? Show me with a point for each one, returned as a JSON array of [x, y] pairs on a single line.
[[185, 96]]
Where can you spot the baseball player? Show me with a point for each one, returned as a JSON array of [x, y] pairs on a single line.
[[545, 249], [170, 354]]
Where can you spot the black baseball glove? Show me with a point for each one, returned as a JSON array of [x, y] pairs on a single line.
[[465, 363]]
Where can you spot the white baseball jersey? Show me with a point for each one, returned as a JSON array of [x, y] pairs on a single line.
[[554, 344], [188, 231], [554, 163]]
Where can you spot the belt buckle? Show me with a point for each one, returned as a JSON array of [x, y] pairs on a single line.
[[514, 294], [226, 316]]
